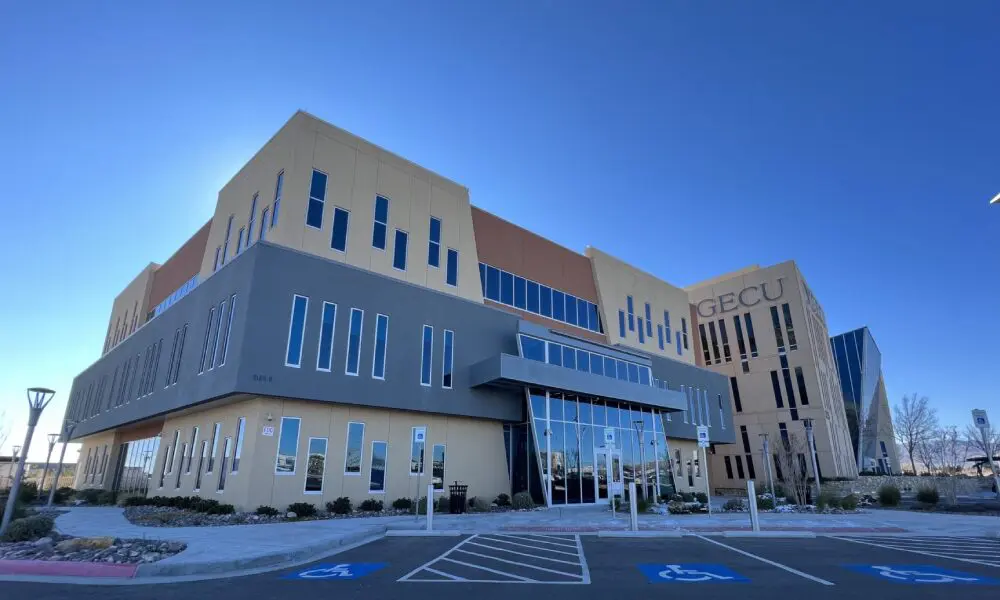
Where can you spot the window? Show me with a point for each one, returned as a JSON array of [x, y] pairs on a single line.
[[338, 239], [239, 240], [451, 275], [278, 184], [642, 334], [376, 482], [417, 435], [715, 342], [434, 245], [240, 427], [317, 199], [739, 337], [399, 250], [649, 321], [750, 336], [262, 232], [214, 349], [532, 297], [725, 341], [679, 351], [381, 339], [666, 324], [545, 300], [194, 446], [448, 360], [729, 468], [684, 331], [777, 390], [381, 226], [229, 331], [215, 447], [215, 267], [482, 277], [427, 344], [777, 328], [659, 335], [493, 283], [733, 383], [324, 354], [745, 437], [786, 310], [315, 465], [621, 324], [288, 446], [172, 452], [296, 329], [704, 343], [208, 337], [226, 449], [722, 413], [437, 466], [558, 305], [800, 378], [631, 313], [739, 467], [787, 376], [252, 219], [531, 348], [180, 354], [506, 288], [751, 472], [354, 342], [352, 455], [225, 243], [201, 463]]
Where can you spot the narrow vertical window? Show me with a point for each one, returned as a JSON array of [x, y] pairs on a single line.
[[278, 184], [288, 446], [739, 337], [678, 336], [649, 321], [642, 332], [739, 467], [750, 337], [659, 335], [239, 240], [725, 341], [240, 429], [621, 324], [352, 454], [571, 313], [194, 448], [381, 226], [729, 467], [437, 466], [317, 200], [451, 274], [315, 465], [180, 354], [208, 337], [777, 328], [376, 481], [172, 452], [296, 330], [800, 378], [704, 343], [227, 448], [399, 250], [354, 342], [341, 220], [434, 243], [545, 300], [251, 220], [417, 435], [448, 359], [324, 354], [715, 342], [507, 289], [778, 401], [631, 313], [216, 430], [482, 277], [666, 325], [751, 472], [426, 346], [201, 464], [225, 241], [381, 339], [214, 349], [787, 311], [177, 482], [722, 412], [173, 355], [229, 331], [734, 384], [262, 232], [684, 331]]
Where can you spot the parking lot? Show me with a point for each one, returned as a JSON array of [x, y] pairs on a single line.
[[493, 566]]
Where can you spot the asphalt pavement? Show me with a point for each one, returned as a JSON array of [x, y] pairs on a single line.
[[556, 566]]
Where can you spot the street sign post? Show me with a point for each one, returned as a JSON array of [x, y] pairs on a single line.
[[703, 443], [982, 423]]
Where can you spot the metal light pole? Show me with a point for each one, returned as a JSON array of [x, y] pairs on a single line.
[[639, 426], [53, 438], [38, 399], [14, 452], [67, 432], [812, 452], [766, 451]]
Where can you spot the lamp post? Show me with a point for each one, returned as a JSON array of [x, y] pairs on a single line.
[[53, 438], [14, 451], [812, 451], [38, 399], [766, 451], [639, 426], [67, 432]]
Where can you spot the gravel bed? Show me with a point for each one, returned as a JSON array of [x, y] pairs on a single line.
[[58, 547]]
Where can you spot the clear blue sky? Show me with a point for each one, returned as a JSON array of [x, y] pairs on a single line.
[[861, 139]]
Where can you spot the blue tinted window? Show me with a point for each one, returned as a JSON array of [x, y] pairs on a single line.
[[434, 245], [583, 314], [545, 300], [532, 348], [633, 373], [426, 347], [380, 228], [317, 197], [609, 367], [582, 360], [666, 324], [644, 375], [629, 305], [354, 341], [520, 292], [679, 352], [631, 314], [649, 321], [532, 297], [570, 309], [642, 334], [506, 288], [493, 283], [451, 275], [621, 323], [595, 320], [324, 359], [399, 251], [569, 357], [555, 354], [597, 364], [381, 209], [435, 233], [448, 369], [622, 370], [381, 336], [659, 335], [341, 218], [317, 189], [558, 305], [293, 355], [262, 232], [482, 277]]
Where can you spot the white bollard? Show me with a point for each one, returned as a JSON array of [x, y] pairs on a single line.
[[752, 495], [633, 507], [430, 507]]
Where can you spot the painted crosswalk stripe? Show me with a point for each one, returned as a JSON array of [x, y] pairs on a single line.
[[519, 564], [565, 562], [494, 571], [923, 552], [534, 539], [483, 537]]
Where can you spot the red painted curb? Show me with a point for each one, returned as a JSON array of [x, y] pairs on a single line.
[[66, 568]]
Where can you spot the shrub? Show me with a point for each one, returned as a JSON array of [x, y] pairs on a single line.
[[371, 505], [135, 501], [340, 506], [849, 502], [302, 509], [399, 504], [28, 492], [19, 511], [266, 511], [928, 494], [790, 499], [642, 505], [827, 500], [481, 504], [701, 497], [29, 528], [523, 501], [204, 505], [442, 505], [779, 491], [731, 505], [62, 495], [227, 509], [503, 500], [675, 507], [765, 503], [888, 495], [88, 496]]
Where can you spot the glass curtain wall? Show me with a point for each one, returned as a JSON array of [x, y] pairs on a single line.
[[134, 472]]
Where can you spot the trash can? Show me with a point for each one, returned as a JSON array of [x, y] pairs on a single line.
[[458, 500]]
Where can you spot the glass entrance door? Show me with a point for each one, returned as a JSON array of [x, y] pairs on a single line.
[[610, 479]]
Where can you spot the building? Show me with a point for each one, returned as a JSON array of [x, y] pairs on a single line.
[[765, 331], [859, 365], [348, 324]]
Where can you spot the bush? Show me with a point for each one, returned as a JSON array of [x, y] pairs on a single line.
[[28, 492], [790, 499], [29, 528], [779, 491], [523, 501], [135, 501], [928, 495], [302, 509], [340, 506], [731, 505], [266, 511], [371, 505], [765, 503], [62, 495], [849, 502], [88, 496], [686, 497], [676, 507], [399, 504], [442, 505], [204, 505], [503, 500], [827, 500], [480, 504], [888, 495], [226, 509], [701, 497], [19, 511]]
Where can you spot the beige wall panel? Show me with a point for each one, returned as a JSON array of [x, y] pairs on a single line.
[[101, 477], [128, 311]]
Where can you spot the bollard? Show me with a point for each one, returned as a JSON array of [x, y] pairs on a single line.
[[430, 507], [752, 495], [633, 507]]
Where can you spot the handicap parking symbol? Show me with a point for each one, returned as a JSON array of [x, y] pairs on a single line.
[[920, 574], [690, 573], [336, 571]]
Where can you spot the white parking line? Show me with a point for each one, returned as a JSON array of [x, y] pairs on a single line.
[[923, 552], [483, 537], [443, 574], [494, 571], [565, 562], [768, 561], [535, 539], [521, 564]]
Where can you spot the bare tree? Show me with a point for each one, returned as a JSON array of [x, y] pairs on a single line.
[[950, 450], [4, 430], [986, 441], [915, 422], [790, 454]]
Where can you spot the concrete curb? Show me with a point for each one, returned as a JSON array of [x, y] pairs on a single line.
[[421, 533], [640, 534], [768, 534], [273, 559]]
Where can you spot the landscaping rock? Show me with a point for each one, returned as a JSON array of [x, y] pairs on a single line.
[[100, 549], [291, 515]]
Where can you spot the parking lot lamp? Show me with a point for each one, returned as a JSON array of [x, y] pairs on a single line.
[[68, 428], [38, 399], [812, 452]]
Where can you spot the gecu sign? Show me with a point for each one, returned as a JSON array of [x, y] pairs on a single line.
[[748, 297]]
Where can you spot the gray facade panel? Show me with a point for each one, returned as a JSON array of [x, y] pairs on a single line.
[[676, 374]]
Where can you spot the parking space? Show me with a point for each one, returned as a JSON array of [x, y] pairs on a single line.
[[973, 550]]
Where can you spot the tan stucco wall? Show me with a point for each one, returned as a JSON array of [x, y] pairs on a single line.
[[357, 171], [128, 312], [89, 445], [689, 454]]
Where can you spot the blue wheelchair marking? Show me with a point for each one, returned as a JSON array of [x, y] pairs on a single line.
[[690, 573], [336, 571], [921, 574]]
